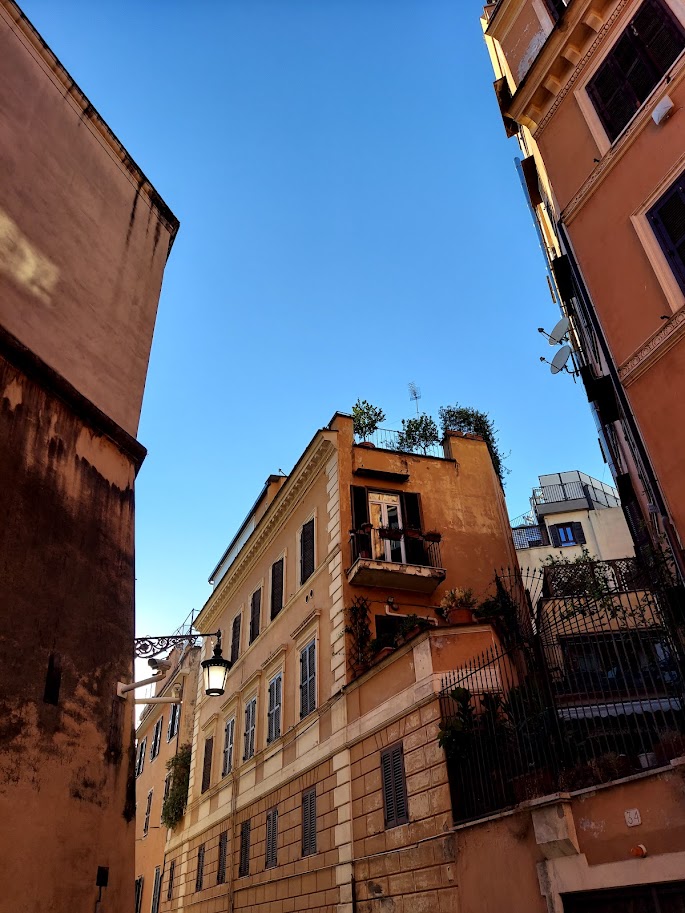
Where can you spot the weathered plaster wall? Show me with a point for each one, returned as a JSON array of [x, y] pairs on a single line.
[[83, 237], [66, 576]]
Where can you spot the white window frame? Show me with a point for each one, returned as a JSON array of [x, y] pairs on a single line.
[[156, 738], [387, 545], [229, 747], [148, 811], [174, 719], [250, 732]]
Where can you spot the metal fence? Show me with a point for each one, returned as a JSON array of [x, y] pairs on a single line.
[[395, 545], [387, 439], [584, 688]]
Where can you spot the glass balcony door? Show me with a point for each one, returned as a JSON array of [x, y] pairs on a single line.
[[385, 513]]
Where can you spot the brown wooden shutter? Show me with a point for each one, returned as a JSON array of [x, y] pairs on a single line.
[[308, 679], [244, 863], [199, 875], [660, 33], [554, 536], [360, 506], [221, 866], [578, 534], [276, 587], [255, 613], [394, 786], [271, 838], [307, 551], [532, 179], [563, 277], [235, 639], [309, 822], [170, 887], [207, 764], [415, 549]]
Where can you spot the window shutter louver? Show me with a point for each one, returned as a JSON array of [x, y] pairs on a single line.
[[399, 784], [660, 33], [199, 875], [308, 679], [307, 551], [277, 720], [244, 864], [271, 838], [156, 890], [139, 893], [172, 872], [207, 764], [303, 680], [229, 732], [148, 808], [221, 865], [276, 587], [388, 794], [255, 613], [394, 786], [544, 535], [250, 719], [309, 822], [410, 505], [360, 506], [578, 533], [554, 535], [235, 639]]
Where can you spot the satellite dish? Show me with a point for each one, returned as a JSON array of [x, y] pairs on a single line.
[[558, 363], [559, 331]]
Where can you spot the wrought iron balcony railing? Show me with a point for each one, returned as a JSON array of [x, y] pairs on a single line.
[[396, 546]]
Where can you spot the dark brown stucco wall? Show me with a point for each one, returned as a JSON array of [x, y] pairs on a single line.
[[66, 590]]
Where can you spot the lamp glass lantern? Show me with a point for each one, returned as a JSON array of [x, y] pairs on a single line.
[[215, 671]]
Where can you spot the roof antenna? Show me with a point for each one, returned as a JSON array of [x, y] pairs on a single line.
[[414, 394]]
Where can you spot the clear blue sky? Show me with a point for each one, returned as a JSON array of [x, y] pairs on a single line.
[[351, 220]]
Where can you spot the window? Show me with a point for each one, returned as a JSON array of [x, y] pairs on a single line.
[[235, 638], [394, 786], [274, 712], [156, 890], [250, 723], [309, 822], [156, 738], [148, 807], [229, 736], [557, 7], [255, 612], [244, 862], [221, 865], [207, 764], [170, 886], [139, 893], [140, 760], [307, 551], [200, 874], [667, 218], [634, 65], [174, 717], [271, 838], [308, 679], [564, 534], [276, 587], [390, 515], [665, 897]]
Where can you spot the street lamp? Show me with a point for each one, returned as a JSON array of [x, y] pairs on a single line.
[[215, 670]]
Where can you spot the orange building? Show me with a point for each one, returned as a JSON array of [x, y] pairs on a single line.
[[594, 90], [317, 781], [84, 239]]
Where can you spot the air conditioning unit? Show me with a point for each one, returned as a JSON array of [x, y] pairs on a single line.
[[663, 110]]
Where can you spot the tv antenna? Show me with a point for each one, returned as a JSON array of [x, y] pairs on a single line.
[[558, 333], [414, 394]]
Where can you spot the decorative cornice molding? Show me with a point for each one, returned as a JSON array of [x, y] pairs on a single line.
[[287, 500], [657, 345], [303, 625]]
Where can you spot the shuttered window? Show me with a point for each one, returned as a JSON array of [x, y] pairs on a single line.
[[207, 764], [140, 760], [271, 838], [564, 534], [274, 711], [309, 822], [308, 679], [167, 785], [170, 886], [244, 862], [139, 893], [156, 738], [276, 587], [250, 723], [148, 808], [221, 865], [640, 58], [394, 786], [229, 738], [307, 551], [174, 716], [200, 873], [156, 890], [235, 638], [667, 219], [255, 613]]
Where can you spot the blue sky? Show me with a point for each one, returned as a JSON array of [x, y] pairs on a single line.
[[351, 220]]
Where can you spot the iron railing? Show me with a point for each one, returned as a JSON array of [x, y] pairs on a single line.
[[583, 689], [396, 546], [530, 536], [573, 491], [387, 439]]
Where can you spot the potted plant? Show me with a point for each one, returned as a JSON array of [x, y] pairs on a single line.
[[410, 533], [394, 534], [456, 606], [366, 419], [432, 536], [418, 434]]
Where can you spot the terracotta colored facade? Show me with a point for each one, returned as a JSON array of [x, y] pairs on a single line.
[[602, 166], [83, 243], [335, 727]]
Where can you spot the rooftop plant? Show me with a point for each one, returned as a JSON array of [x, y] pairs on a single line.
[[366, 419], [419, 433], [473, 421]]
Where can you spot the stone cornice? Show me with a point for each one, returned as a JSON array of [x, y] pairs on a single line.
[[641, 120], [282, 507], [657, 345]]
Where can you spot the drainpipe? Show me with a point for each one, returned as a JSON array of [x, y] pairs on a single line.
[[649, 474]]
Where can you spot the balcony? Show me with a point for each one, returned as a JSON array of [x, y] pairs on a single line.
[[572, 491], [395, 559]]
